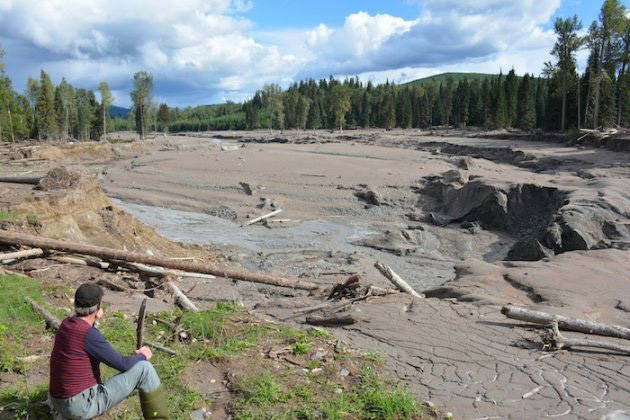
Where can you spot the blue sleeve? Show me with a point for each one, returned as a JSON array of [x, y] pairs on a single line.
[[97, 347]]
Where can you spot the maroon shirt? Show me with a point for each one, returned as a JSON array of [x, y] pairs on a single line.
[[75, 360]]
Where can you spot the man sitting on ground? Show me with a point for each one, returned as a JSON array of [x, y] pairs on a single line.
[[76, 389]]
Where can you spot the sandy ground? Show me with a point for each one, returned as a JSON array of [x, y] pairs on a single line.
[[350, 199]]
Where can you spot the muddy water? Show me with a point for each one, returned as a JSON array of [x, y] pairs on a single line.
[[317, 247]]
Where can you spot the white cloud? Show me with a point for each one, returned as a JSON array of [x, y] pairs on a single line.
[[202, 51]]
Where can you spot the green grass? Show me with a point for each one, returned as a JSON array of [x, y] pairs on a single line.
[[5, 216], [266, 396]]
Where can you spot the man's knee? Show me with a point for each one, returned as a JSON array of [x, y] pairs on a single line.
[[149, 378]]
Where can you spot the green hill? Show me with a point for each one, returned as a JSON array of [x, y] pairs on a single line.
[[439, 78]]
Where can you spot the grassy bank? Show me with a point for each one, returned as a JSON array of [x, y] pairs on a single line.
[[264, 370]]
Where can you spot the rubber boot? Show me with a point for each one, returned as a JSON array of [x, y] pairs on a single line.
[[154, 404]]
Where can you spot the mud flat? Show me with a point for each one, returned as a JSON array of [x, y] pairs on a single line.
[[454, 216]]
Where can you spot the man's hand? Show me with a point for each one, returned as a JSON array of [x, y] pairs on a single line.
[[146, 352]]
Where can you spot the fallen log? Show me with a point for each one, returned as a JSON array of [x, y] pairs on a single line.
[[51, 322], [565, 323], [142, 312], [180, 298], [115, 254], [32, 180], [161, 348], [396, 280], [258, 219], [27, 253], [556, 341], [80, 261], [158, 271], [331, 321]]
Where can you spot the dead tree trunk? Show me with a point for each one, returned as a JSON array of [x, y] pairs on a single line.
[[556, 341], [50, 320], [180, 298], [115, 254], [35, 252], [396, 280], [566, 323], [33, 180]]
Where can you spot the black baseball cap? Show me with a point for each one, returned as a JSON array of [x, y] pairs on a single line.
[[87, 298]]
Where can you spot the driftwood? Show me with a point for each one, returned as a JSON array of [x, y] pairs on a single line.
[[331, 321], [158, 271], [32, 180], [258, 219], [51, 322], [27, 253], [115, 254], [80, 261], [142, 314], [566, 323], [396, 280], [556, 341], [180, 299], [346, 289], [161, 348]]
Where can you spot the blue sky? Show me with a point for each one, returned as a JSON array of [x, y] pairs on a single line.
[[209, 51]]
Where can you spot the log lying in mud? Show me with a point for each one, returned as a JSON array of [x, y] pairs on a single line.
[[556, 341], [331, 321], [565, 323], [115, 254], [266, 216], [32, 180], [396, 280], [180, 298], [27, 253], [50, 320]]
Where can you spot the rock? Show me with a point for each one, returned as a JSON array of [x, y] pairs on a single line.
[[229, 147], [454, 177], [223, 212], [473, 227], [246, 188], [465, 163], [370, 197], [264, 202], [528, 250], [344, 372]]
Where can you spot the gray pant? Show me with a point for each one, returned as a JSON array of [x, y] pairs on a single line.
[[98, 399]]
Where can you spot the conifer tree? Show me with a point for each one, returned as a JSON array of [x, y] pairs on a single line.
[[526, 111], [46, 116], [566, 45], [365, 110], [511, 88], [106, 101]]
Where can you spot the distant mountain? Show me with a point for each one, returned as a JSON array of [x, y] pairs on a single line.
[[118, 112], [441, 78]]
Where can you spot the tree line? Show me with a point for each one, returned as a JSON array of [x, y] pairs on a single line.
[[560, 97]]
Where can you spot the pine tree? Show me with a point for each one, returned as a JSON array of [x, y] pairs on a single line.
[[526, 112], [141, 97], [567, 44], [499, 109], [511, 88], [106, 101], [46, 116], [407, 110], [365, 110]]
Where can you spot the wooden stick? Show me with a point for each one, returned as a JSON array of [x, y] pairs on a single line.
[[180, 298], [140, 328], [35, 252], [161, 348], [115, 254], [558, 342], [565, 323], [396, 280], [80, 261], [258, 219], [51, 322], [331, 321]]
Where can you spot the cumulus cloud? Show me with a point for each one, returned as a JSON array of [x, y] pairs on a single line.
[[203, 51]]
